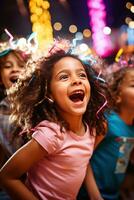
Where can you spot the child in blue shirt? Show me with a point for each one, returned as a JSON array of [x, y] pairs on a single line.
[[110, 159]]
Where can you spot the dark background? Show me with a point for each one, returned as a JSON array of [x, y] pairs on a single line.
[[75, 12]]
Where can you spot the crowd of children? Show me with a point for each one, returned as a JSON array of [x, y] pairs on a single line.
[[78, 127]]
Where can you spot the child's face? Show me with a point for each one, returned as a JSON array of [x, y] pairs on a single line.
[[126, 94], [11, 70], [70, 88]]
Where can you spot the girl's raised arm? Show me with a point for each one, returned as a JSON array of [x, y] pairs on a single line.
[[17, 166]]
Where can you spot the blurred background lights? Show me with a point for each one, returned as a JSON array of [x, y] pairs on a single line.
[[95, 22], [83, 47], [107, 30], [87, 33], [73, 28], [130, 33], [128, 5], [57, 26], [45, 4], [62, 1], [22, 42], [131, 25], [38, 11], [79, 36], [41, 22], [127, 20], [97, 14], [132, 9]]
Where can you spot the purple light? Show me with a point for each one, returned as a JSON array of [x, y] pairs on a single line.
[[97, 13]]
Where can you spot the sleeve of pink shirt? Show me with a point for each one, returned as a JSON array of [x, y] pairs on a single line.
[[49, 137]]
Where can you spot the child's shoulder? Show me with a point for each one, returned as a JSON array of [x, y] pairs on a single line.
[[48, 135], [48, 128], [47, 125]]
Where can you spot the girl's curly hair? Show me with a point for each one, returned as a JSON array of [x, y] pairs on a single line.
[[30, 104], [114, 81]]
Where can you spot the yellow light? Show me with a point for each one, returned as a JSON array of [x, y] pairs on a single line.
[[39, 2], [128, 5], [119, 53], [33, 9], [127, 20], [73, 28], [32, 4], [131, 24], [34, 18], [36, 27], [132, 9], [87, 33], [45, 5], [57, 26], [45, 17], [39, 11], [41, 21]]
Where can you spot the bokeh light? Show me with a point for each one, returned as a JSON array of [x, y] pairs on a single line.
[[73, 28]]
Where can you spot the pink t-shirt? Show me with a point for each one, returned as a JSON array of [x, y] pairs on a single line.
[[60, 175]]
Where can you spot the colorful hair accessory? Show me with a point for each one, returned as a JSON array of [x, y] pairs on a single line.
[[99, 78], [126, 61], [118, 55], [59, 45], [4, 49], [123, 59], [72, 48], [3, 53], [89, 59], [105, 103], [28, 46]]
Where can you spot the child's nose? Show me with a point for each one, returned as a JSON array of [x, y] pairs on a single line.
[[76, 81], [16, 68]]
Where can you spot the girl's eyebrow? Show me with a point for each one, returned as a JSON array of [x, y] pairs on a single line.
[[67, 71], [63, 71], [7, 62]]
